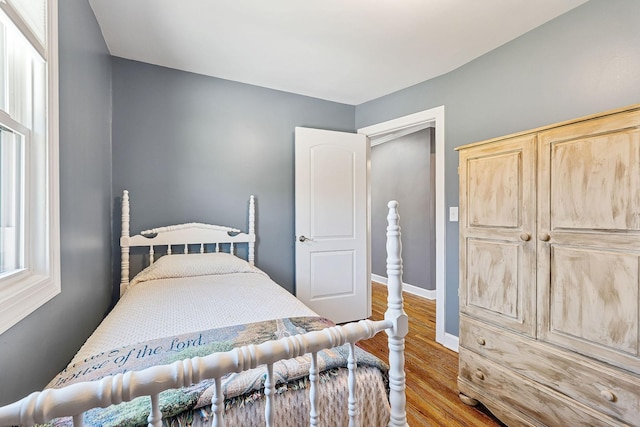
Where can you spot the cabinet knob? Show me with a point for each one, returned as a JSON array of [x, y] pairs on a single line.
[[525, 237], [479, 374], [544, 237], [480, 341], [608, 395]]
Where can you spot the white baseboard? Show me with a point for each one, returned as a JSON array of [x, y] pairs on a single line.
[[414, 290], [379, 279], [451, 342]]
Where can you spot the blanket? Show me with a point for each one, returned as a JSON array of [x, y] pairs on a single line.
[[238, 388]]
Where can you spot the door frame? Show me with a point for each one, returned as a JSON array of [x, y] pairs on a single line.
[[395, 128]]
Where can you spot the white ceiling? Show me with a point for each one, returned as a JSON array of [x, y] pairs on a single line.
[[348, 51]]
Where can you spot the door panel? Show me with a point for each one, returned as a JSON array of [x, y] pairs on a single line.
[[495, 200], [589, 243], [594, 182], [490, 263], [332, 181], [593, 295], [332, 253], [497, 208], [327, 271]]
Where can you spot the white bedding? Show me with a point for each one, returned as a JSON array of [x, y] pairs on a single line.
[[148, 309]]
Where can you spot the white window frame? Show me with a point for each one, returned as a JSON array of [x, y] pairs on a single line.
[[25, 291]]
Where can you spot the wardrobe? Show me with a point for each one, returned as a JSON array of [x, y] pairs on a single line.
[[550, 273]]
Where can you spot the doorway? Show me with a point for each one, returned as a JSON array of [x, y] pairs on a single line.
[[395, 128], [402, 170]]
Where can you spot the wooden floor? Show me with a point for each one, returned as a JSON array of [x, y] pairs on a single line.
[[431, 369]]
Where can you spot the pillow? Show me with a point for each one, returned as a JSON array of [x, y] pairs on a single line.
[[190, 265]]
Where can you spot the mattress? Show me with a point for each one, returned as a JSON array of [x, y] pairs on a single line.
[[148, 309]]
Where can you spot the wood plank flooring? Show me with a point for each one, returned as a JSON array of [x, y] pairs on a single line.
[[431, 369]]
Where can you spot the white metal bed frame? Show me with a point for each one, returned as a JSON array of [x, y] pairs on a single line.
[[75, 399]]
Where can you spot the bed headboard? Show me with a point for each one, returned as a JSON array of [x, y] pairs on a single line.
[[181, 238]]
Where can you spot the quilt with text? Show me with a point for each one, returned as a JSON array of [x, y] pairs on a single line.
[[238, 388]]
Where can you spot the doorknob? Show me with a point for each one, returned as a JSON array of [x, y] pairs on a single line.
[[304, 239], [524, 236], [545, 237]]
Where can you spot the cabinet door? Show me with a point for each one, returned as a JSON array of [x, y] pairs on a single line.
[[497, 222], [589, 238]]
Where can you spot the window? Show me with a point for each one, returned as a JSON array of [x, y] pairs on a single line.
[[29, 220], [12, 166]]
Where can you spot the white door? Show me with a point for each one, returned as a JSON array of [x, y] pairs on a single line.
[[332, 247]]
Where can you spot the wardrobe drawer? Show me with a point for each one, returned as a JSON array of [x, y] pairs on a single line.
[[486, 378], [607, 389]]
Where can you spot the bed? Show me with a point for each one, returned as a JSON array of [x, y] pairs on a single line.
[[201, 336]]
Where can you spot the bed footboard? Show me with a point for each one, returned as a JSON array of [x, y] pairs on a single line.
[[75, 399]]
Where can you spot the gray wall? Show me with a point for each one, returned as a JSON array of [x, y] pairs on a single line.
[[401, 170], [581, 63], [42, 344], [194, 148]]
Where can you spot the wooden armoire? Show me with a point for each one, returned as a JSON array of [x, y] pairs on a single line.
[[550, 273]]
